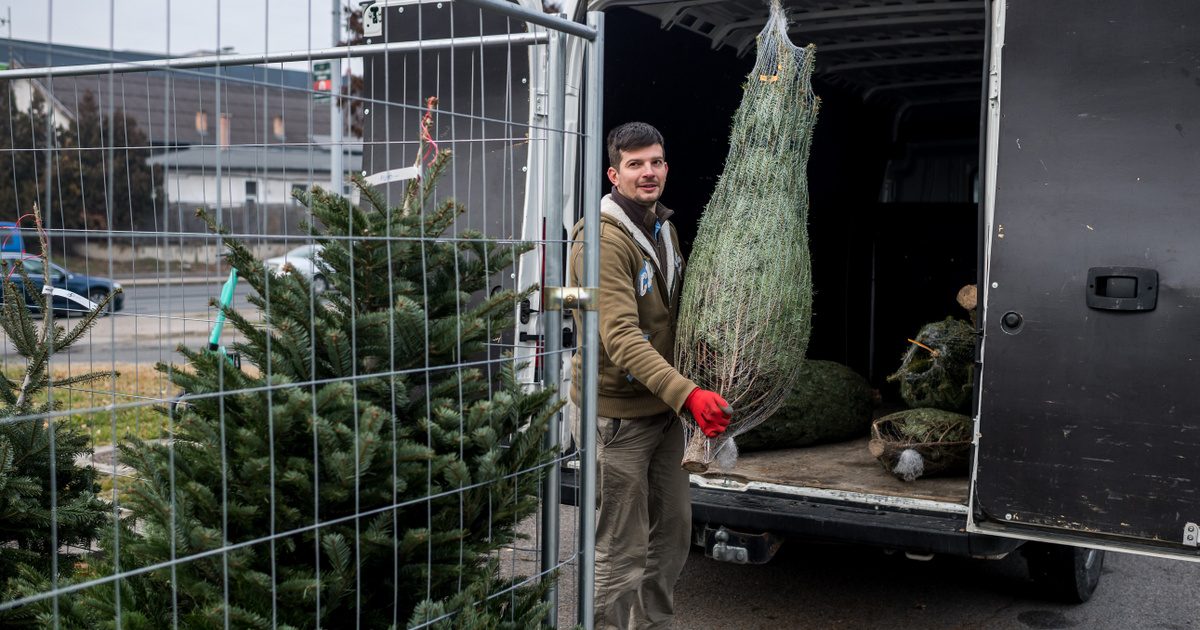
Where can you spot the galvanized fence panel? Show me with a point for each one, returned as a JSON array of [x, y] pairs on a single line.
[[308, 389]]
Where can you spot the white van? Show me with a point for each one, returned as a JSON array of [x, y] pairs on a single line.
[[1048, 152], [1079, 227]]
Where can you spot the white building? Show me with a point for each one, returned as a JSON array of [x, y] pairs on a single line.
[[249, 175]]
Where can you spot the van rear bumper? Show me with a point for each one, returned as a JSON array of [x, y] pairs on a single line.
[[832, 521]]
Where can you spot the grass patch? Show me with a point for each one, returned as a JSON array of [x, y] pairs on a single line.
[[131, 405], [125, 404]]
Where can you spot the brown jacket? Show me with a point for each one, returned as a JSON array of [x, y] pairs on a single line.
[[638, 304]]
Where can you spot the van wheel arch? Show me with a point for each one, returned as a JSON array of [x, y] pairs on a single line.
[[1064, 573]]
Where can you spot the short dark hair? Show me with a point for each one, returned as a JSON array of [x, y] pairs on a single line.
[[630, 136]]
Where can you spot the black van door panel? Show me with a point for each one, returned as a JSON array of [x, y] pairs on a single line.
[[1090, 381]]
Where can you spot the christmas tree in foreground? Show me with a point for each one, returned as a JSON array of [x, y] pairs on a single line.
[[47, 501], [350, 485]]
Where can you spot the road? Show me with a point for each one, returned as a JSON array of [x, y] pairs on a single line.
[[814, 586], [155, 299], [831, 586], [156, 318]]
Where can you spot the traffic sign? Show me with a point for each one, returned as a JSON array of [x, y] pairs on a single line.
[[322, 79]]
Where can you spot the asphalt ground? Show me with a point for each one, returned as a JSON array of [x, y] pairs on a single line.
[[810, 585]]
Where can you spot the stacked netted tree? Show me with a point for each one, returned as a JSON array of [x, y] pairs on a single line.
[[49, 512], [936, 378], [747, 299], [357, 473], [829, 403]]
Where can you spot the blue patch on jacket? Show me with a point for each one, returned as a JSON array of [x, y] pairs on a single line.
[[645, 279]]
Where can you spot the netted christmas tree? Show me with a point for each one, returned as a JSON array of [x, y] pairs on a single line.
[[747, 299], [356, 475], [49, 512], [938, 368], [922, 442]]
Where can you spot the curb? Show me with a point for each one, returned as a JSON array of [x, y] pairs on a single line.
[[166, 280]]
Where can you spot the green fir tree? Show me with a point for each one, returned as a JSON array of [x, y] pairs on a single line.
[[48, 504], [356, 487]]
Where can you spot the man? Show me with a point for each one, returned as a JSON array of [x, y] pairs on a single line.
[[643, 526]]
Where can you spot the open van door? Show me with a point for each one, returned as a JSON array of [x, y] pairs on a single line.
[[1089, 410]]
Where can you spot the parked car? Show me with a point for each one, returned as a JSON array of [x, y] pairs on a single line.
[[94, 288], [307, 261], [10, 237]]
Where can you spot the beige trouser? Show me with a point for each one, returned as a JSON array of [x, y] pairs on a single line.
[[643, 520]]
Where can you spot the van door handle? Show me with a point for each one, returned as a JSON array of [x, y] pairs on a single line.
[[1122, 288]]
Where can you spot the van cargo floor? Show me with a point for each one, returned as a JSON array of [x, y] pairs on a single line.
[[846, 466]]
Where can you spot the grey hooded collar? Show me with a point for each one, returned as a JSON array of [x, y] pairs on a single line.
[[609, 208]]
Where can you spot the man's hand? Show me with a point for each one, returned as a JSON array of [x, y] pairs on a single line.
[[711, 411]]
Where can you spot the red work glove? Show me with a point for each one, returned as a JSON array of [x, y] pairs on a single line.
[[710, 411]]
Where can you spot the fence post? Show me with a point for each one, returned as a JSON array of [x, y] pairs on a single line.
[[552, 318], [594, 91]]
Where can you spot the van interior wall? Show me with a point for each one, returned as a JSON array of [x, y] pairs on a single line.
[[920, 250], [925, 240]]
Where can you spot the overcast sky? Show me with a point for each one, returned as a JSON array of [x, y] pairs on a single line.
[[250, 26]]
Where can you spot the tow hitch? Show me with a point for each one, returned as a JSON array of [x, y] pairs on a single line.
[[727, 545]]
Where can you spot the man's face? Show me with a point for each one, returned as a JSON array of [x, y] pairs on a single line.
[[641, 174]]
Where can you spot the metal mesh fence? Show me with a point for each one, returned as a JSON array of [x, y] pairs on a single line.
[[275, 349]]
